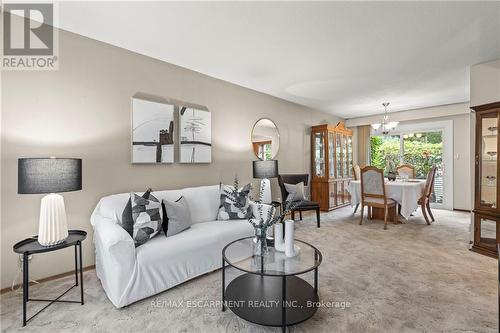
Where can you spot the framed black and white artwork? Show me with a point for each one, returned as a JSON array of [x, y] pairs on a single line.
[[152, 132], [195, 135]]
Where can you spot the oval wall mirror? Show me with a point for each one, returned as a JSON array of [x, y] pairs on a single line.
[[265, 139]]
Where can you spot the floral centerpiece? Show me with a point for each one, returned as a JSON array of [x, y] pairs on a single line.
[[390, 166]]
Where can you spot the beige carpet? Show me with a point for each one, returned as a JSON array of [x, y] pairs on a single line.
[[409, 278]]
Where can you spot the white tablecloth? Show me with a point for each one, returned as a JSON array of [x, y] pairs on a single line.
[[404, 193]]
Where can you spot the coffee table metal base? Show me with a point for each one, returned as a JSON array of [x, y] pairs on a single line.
[[259, 299]]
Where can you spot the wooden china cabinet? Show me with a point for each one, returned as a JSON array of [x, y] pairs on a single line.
[[486, 192], [331, 155]]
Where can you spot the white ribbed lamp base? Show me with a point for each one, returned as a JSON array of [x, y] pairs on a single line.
[[53, 227]]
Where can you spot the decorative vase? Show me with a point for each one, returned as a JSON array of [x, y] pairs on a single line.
[[260, 242], [291, 250], [391, 176], [279, 243]]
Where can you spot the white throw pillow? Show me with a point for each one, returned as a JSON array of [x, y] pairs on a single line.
[[295, 192], [177, 216]]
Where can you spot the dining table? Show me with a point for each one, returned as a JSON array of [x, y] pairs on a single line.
[[405, 192]]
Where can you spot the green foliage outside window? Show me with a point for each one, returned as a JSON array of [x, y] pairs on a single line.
[[384, 151], [268, 152], [421, 152]]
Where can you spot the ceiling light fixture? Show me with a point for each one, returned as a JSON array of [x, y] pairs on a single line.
[[385, 126]]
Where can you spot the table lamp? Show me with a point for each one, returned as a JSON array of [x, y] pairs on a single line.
[[50, 175], [265, 170]]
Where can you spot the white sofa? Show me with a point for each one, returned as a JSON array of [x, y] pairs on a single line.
[[129, 274]]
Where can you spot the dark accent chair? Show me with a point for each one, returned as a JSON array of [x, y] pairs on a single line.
[[305, 205]]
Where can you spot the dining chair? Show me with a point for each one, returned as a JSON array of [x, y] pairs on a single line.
[[356, 172], [406, 170], [425, 199], [373, 192]]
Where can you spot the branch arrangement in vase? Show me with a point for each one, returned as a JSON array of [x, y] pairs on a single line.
[[271, 218], [238, 198]]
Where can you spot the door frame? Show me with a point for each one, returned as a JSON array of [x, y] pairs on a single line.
[[446, 127]]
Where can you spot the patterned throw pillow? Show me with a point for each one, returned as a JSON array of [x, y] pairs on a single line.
[[145, 217], [234, 204], [127, 222]]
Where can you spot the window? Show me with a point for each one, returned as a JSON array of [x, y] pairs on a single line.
[[382, 147], [263, 150], [421, 150]]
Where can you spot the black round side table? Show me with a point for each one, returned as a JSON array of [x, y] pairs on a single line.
[[31, 246], [269, 292]]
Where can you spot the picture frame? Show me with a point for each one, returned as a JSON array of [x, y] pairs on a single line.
[[195, 135], [153, 132]]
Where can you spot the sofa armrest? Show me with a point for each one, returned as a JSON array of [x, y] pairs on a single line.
[[115, 258]]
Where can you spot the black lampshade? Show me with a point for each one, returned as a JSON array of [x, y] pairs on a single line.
[[48, 175], [265, 169]]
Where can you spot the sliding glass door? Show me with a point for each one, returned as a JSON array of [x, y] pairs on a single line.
[[422, 149]]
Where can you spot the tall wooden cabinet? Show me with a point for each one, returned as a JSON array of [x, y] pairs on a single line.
[[331, 154], [486, 192]]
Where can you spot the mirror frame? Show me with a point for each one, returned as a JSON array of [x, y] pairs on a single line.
[[277, 131]]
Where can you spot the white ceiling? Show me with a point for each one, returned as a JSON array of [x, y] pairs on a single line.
[[345, 58]]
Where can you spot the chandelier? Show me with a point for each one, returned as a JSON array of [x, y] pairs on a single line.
[[385, 126]]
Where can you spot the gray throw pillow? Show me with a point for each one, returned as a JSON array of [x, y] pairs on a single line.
[[234, 205], [295, 192], [177, 217]]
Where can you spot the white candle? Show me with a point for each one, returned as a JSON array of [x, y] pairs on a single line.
[[279, 243], [289, 235]]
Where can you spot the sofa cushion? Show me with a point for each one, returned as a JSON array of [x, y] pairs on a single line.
[[176, 217], [203, 202], [167, 261]]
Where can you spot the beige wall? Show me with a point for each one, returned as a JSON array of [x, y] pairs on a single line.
[[485, 83], [83, 110], [462, 155]]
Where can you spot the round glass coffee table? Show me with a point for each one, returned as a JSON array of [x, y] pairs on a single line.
[[269, 292]]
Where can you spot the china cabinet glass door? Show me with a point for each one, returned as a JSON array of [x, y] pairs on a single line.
[[338, 155], [349, 156], [331, 150], [319, 155], [487, 160], [345, 172]]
